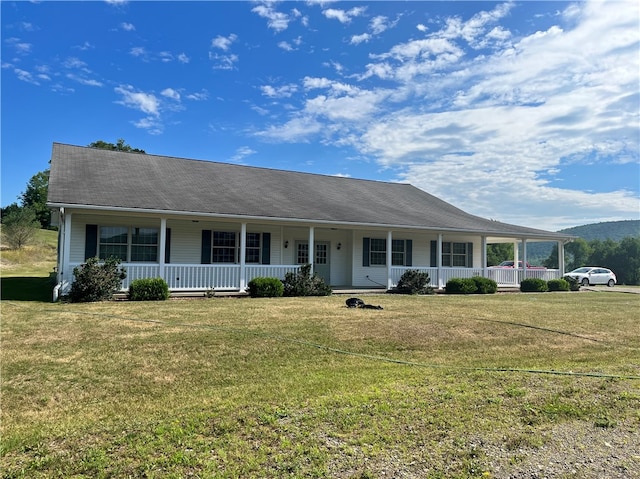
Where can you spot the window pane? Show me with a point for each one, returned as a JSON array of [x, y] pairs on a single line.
[[397, 252], [113, 234], [459, 248], [253, 240], [224, 247], [302, 253], [378, 248], [113, 242], [223, 238], [252, 251], [459, 260], [144, 236], [117, 251], [144, 253]]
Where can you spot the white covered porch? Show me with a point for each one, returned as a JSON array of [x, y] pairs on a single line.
[[344, 256]]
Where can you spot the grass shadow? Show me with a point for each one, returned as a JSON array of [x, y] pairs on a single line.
[[18, 288]]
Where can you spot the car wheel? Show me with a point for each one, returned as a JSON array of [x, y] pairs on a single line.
[[585, 282], [611, 283]]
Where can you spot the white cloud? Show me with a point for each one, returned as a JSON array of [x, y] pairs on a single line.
[[277, 21], [357, 39], [242, 153], [224, 43], [286, 46], [183, 58], [25, 76], [21, 48], [138, 52], [284, 91], [199, 96], [223, 62], [128, 27], [145, 102], [344, 16], [171, 93]]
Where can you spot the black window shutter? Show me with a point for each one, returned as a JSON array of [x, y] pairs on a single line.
[[366, 248], [91, 241], [167, 246], [205, 256], [266, 248], [434, 253], [409, 253], [470, 255]]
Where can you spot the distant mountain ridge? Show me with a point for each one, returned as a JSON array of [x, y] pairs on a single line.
[[537, 252], [613, 230]]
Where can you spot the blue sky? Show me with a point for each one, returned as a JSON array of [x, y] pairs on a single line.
[[523, 112]]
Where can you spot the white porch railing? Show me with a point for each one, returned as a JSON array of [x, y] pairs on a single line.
[[502, 276], [201, 277]]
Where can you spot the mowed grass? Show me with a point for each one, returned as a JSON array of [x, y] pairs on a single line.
[[304, 387], [26, 274]]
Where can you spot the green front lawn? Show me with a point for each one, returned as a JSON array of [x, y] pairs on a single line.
[[430, 386]]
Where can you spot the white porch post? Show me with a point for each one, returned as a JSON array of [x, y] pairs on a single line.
[[561, 257], [524, 258], [516, 253], [389, 258], [243, 256], [65, 267], [439, 261], [312, 250], [484, 257], [163, 246]]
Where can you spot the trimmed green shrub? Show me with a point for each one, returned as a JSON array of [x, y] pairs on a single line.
[[413, 281], [485, 285], [96, 281], [533, 285], [303, 283], [574, 285], [461, 286], [149, 289], [558, 285], [266, 288]]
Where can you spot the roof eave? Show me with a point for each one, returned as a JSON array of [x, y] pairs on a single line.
[[332, 223]]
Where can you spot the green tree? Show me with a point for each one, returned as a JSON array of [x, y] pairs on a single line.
[[577, 254], [627, 260], [19, 227], [9, 209], [120, 145], [35, 197], [499, 252]]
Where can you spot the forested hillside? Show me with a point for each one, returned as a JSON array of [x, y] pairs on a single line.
[[610, 230], [614, 230]]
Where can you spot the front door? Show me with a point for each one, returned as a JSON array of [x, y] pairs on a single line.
[[321, 265], [321, 261]]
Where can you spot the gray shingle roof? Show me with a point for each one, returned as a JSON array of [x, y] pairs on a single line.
[[103, 178]]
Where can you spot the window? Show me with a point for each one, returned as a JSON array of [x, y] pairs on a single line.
[[302, 253], [398, 252], [144, 244], [224, 247], [457, 255], [253, 248], [375, 252], [128, 244], [378, 252]]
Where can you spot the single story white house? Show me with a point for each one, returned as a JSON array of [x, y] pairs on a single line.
[[204, 225]]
